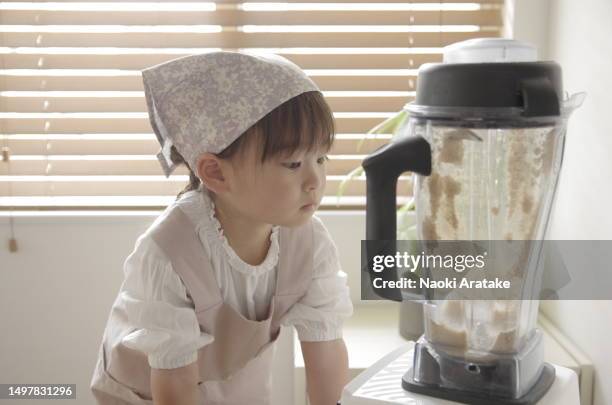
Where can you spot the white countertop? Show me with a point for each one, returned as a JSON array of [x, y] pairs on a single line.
[[380, 384], [373, 332]]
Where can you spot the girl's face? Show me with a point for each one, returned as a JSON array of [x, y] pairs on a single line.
[[285, 190]]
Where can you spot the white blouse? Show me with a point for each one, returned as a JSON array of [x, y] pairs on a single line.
[[158, 305]]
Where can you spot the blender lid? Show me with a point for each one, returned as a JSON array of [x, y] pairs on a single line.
[[488, 77], [481, 50]]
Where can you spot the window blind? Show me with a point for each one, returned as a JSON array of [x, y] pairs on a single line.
[[74, 129]]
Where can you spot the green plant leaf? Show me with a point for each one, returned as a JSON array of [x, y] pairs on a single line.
[[390, 125], [409, 206], [356, 172]]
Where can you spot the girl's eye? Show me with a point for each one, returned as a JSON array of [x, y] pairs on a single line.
[[296, 165], [322, 159], [292, 165]]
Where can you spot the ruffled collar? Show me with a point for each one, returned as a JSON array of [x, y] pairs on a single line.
[[210, 229]]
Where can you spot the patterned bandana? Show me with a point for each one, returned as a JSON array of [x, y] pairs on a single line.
[[203, 103]]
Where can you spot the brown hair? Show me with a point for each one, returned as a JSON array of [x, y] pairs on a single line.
[[286, 129]]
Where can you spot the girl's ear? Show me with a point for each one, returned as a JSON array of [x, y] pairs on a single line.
[[211, 171]]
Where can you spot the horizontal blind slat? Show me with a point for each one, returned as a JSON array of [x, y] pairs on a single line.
[[41, 81], [115, 145], [103, 204], [487, 17], [235, 39], [139, 61], [131, 125], [53, 167], [136, 103], [140, 187], [223, 2]]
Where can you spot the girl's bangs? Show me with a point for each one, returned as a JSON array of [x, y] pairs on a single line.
[[303, 123]]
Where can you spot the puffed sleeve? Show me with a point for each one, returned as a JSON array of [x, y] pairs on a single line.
[[157, 304], [321, 312]]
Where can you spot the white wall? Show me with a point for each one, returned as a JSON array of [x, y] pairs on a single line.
[[578, 35], [527, 20], [57, 291]]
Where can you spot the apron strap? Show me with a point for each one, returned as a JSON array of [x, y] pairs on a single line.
[[177, 238]]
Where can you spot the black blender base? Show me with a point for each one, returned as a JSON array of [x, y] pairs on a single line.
[[547, 377]]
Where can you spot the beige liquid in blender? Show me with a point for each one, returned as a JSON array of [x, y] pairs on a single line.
[[493, 193]]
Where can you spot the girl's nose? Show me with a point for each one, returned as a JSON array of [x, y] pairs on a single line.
[[314, 179]]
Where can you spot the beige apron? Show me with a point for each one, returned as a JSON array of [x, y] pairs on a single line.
[[236, 367]]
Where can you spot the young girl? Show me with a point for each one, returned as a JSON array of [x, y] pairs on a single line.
[[239, 253]]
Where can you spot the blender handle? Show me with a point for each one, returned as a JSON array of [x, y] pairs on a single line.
[[382, 168]]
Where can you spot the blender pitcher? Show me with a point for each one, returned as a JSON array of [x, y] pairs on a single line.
[[484, 140]]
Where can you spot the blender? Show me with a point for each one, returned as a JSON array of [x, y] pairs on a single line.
[[484, 141]]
